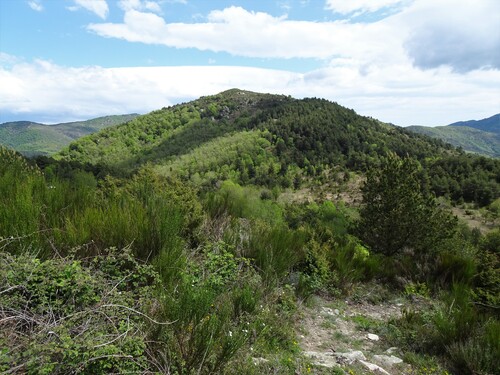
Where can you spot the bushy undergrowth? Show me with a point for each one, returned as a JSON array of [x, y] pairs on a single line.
[[42, 216], [210, 285], [65, 315], [455, 329]]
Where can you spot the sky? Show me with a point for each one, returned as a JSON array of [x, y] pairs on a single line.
[[407, 62]]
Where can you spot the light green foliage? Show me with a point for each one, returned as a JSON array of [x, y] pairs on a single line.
[[211, 303], [316, 271], [416, 289], [65, 315], [119, 145], [494, 208], [351, 262], [243, 202], [241, 157], [275, 250], [367, 324], [149, 213], [218, 266]]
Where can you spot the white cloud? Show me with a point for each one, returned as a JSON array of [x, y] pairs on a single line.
[[427, 33], [359, 6], [433, 63], [35, 5], [42, 87], [255, 34], [99, 7], [395, 93], [141, 5]]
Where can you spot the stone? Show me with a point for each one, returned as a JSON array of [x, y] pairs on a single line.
[[372, 337], [352, 356], [391, 350], [385, 360], [374, 368], [327, 311], [324, 359], [336, 312]]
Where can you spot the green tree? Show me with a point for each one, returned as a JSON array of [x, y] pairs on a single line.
[[398, 214]]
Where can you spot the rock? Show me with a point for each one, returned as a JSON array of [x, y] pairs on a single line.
[[374, 368], [386, 360], [324, 359], [372, 337], [352, 356], [391, 350], [327, 311], [336, 312]]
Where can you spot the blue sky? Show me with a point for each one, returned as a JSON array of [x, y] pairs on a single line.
[[429, 62]]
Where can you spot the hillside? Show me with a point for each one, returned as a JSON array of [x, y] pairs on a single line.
[[273, 140], [306, 133], [481, 137], [490, 124], [31, 138], [214, 237]]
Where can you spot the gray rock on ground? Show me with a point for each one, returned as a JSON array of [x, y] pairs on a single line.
[[387, 361]]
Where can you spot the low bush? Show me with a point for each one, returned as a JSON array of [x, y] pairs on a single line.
[[63, 316]]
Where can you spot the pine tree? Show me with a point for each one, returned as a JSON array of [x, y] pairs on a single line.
[[398, 213]]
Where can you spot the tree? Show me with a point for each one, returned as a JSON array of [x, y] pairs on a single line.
[[398, 213]]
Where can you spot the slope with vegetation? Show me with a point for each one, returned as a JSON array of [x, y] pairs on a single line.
[[480, 137], [280, 141], [168, 245], [31, 138]]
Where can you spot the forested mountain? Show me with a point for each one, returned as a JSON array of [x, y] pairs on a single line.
[[490, 124], [274, 140], [191, 240], [481, 137], [31, 138]]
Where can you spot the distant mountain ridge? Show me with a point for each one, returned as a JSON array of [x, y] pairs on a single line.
[[490, 124], [477, 136], [32, 138]]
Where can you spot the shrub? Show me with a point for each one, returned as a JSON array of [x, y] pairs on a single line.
[[479, 353], [210, 302], [64, 316], [274, 250]]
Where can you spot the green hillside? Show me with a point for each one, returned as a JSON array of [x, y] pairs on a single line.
[[31, 138], [306, 133], [490, 124], [247, 233], [468, 138], [273, 140]]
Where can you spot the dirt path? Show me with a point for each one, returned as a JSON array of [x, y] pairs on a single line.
[[347, 335]]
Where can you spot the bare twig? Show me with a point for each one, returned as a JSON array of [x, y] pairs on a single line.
[[138, 313]]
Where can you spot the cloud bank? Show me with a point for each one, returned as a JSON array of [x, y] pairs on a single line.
[[427, 33], [395, 94], [432, 62]]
